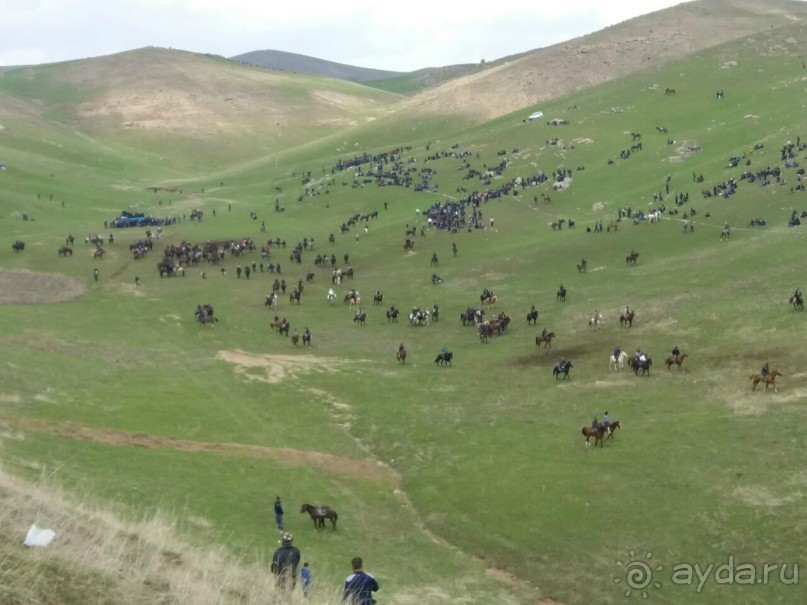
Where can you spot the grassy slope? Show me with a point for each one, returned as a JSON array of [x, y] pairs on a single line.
[[489, 450]]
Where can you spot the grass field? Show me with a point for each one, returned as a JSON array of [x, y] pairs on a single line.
[[463, 484]]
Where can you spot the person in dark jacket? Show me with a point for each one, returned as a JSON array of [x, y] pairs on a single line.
[[279, 514], [285, 562], [359, 585]]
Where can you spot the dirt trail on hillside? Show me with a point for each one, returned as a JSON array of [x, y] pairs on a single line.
[[338, 465]]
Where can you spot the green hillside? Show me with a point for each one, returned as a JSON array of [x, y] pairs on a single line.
[[469, 483]]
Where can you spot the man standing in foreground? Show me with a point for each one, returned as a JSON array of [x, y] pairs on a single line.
[[359, 585], [285, 562]]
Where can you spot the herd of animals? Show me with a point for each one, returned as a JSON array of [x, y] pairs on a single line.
[[178, 257]]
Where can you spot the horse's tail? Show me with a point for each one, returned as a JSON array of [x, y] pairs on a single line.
[[335, 517]]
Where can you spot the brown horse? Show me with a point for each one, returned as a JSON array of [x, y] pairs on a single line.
[[582, 267], [401, 356], [319, 514], [598, 434], [547, 340], [626, 319], [769, 379], [675, 360]]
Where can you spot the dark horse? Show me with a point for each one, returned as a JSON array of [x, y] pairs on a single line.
[[632, 258], [401, 356], [319, 514], [547, 340], [769, 379], [626, 319], [797, 302], [562, 368], [637, 365], [532, 316], [561, 294], [444, 358]]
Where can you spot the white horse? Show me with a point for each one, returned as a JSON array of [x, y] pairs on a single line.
[[331, 296], [596, 321], [619, 363]]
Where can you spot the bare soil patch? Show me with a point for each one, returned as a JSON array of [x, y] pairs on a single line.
[[22, 287], [276, 368]]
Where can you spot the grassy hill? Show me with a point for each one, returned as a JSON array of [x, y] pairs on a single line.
[[468, 483]]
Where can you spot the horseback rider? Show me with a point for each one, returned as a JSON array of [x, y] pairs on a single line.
[[765, 370], [401, 348], [676, 352], [444, 352], [544, 333], [594, 424], [627, 310], [606, 420], [797, 294], [617, 351]]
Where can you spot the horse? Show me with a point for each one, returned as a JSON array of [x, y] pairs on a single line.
[[532, 316], [295, 296], [295, 338], [392, 314], [331, 297], [65, 251], [271, 300], [596, 321], [797, 302], [769, 379], [562, 367], [617, 363], [638, 364], [360, 317], [675, 360], [378, 298], [99, 253], [598, 434], [561, 296], [632, 258], [204, 313], [444, 358], [401, 356], [307, 337], [725, 234], [626, 319], [558, 224], [319, 514], [582, 267], [490, 300], [547, 340], [18, 246]]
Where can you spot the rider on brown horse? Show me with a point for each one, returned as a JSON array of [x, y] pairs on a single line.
[[675, 353], [765, 370]]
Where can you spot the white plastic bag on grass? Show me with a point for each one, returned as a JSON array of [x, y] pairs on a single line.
[[39, 537]]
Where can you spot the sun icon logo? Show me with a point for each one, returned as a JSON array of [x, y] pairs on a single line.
[[638, 574]]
